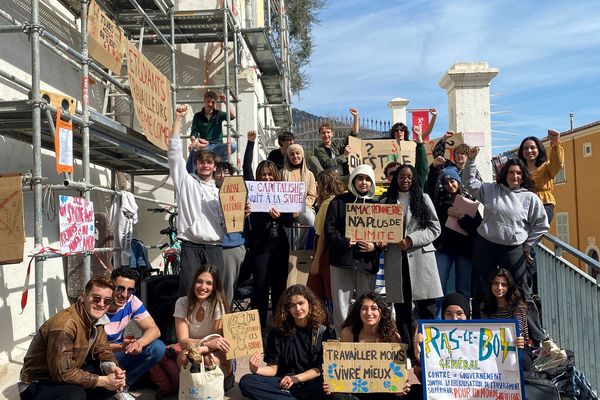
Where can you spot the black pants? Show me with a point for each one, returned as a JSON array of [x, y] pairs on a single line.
[[405, 320], [193, 255], [46, 390], [487, 257], [270, 271]]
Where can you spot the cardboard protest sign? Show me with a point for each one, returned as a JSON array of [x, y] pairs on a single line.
[[364, 367], [106, 40], [374, 222], [151, 93], [378, 153], [287, 197], [451, 143], [233, 194], [242, 331], [12, 232], [76, 222], [465, 206], [299, 267], [471, 360]]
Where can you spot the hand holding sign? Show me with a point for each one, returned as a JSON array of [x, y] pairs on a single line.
[[473, 151]]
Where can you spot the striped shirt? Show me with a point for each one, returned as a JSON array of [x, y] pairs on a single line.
[[519, 313], [132, 310]]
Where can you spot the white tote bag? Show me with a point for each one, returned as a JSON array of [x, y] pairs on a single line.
[[202, 385]]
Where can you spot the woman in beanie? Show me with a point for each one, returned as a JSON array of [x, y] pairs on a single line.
[[455, 307], [295, 170], [353, 264], [453, 247]]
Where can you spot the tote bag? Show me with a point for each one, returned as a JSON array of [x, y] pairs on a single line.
[[202, 385]]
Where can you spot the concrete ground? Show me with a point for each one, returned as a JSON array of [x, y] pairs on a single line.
[[9, 375]]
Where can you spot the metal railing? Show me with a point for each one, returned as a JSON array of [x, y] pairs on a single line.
[[571, 304]]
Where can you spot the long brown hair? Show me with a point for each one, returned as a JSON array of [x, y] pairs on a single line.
[[284, 320], [328, 184], [386, 328], [270, 165], [217, 295]]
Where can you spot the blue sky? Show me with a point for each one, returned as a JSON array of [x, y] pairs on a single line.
[[548, 54]]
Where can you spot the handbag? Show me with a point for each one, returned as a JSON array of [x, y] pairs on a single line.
[[202, 385]]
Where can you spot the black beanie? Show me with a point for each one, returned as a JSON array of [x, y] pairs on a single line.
[[456, 299]]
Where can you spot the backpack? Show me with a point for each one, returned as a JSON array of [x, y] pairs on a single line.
[[139, 256], [166, 373]]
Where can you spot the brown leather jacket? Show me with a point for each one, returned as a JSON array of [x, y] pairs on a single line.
[[66, 342]]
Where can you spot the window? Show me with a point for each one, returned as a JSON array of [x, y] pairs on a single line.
[[562, 226], [587, 149], [560, 177]]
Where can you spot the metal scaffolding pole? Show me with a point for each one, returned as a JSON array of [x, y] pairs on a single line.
[[236, 71], [226, 62], [85, 129], [36, 118], [173, 62]]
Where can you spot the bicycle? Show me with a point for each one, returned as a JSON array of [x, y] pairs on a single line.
[[171, 250]]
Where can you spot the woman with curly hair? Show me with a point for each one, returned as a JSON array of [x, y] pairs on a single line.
[[411, 273], [294, 351], [514, 220], [269, 249], [329, 185]]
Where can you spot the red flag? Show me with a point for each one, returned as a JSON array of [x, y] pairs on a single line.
[[421, 118]]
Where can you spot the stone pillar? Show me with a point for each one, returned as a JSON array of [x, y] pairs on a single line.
[[468, 88], [398, 107]]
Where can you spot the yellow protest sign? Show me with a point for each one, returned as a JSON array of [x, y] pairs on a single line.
[[374, 222], [378, 153], [12, 232], [364, 367], [151, 92], [106, 40], [242, 331], [233, 194]]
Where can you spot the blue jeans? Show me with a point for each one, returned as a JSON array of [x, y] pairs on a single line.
[[136, 365], [462, 270], [219, 148]]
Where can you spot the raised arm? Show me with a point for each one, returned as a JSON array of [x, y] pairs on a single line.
[[421, 165], [248, 156], [355, 124], [226, 106], [473, 184], [557, 153], [433, 113], [440, 147]]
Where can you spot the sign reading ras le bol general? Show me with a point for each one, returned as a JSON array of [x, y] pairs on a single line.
[[471, 360], [364, 367], [76, 222], [287, 197], [374, 222], [151, 93], [378, 153]]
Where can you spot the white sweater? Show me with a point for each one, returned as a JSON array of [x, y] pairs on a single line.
[[200, 218]]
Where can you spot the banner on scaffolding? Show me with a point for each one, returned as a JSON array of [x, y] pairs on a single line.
[[106, 40], [63, 144], [286, 197], [471, 360], [450, 144], [378, 153], [12, 232], [233, 195], [151, 93], [76, 224], [365, 367]]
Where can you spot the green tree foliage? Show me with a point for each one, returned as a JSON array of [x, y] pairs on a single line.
[[302, 17]]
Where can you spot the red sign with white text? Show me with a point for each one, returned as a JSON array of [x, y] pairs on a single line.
[[421, 118]]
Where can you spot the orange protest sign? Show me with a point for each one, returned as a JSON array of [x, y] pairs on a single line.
[[63, 144], [151, 92]]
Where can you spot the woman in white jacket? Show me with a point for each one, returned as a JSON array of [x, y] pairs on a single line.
[[514, 220]]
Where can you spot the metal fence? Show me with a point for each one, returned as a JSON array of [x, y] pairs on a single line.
[[571, 305]]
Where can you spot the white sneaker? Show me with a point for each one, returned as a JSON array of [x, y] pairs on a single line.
[[123, 395]]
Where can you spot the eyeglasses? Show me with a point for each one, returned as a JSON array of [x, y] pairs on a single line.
[[107, 301], [405, 178], [121, 289], [452, 315]]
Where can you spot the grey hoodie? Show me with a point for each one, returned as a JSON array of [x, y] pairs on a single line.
[[511, 217]]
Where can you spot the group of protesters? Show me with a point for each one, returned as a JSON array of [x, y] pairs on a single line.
[[492, 258]]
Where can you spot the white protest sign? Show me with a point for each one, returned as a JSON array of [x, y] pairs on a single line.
[[287, 197], [76, 222], [474, 359]]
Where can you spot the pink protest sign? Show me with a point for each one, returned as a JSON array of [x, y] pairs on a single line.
[[76, 221]]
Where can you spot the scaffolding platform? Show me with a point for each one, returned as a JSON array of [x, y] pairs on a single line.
[[112, 145]]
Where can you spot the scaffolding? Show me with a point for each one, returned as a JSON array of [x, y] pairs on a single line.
[[106, 142]]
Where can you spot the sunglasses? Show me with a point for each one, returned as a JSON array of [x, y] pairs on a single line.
[[106, 301], [121, 289]]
